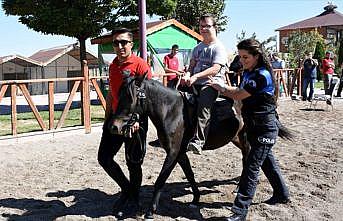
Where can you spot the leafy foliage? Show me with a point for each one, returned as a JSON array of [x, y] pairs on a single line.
[[269, 44], [188, 12], [81, 19], [340, 52], [300, 43], [319, 54]]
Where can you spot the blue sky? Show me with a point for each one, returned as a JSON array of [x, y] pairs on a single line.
[[259, 16]]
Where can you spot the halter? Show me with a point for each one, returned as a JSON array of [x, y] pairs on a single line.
[[135, 138]]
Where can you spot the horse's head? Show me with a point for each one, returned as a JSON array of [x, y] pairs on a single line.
[[130, 105]]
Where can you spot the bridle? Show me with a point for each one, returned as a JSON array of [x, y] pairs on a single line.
[[135, 138]]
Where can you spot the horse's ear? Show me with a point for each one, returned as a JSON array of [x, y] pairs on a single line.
[[140, 78]]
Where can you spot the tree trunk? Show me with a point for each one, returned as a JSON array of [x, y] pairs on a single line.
[[82, 51], [83, 56]]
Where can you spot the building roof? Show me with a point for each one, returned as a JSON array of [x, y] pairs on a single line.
[[47, 56], [151, 28], [329, 17], [20, 60]]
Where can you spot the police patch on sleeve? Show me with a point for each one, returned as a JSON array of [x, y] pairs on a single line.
[[251, 83], [266, 140]]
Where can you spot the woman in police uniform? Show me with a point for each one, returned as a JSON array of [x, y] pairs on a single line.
[[259, 113]]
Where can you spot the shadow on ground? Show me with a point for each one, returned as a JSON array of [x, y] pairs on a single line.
[[94, 203]]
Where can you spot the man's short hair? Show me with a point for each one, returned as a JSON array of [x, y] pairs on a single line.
[[210, 16], [123, 31], [175, 47]]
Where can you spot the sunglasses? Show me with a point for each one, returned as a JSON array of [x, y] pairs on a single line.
[[122, 42]]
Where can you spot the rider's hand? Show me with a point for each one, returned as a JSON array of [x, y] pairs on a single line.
[[185, 79], [192, 79], [217, 85]]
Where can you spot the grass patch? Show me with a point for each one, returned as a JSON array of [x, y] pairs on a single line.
[[319, 85], [26, 122]]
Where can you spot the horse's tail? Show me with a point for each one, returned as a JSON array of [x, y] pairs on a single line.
[[284, 132]]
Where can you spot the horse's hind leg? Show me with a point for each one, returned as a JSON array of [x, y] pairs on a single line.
[[242, 143], [183, 161]]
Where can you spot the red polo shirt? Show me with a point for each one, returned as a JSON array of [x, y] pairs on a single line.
[[134, 65], [171, 63], [326, 66]]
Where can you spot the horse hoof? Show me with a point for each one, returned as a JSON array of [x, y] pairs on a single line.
[[148, 216], [235, 191], [193, 205]]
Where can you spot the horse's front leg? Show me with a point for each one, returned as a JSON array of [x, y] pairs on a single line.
[[167, 168], [183, 161]]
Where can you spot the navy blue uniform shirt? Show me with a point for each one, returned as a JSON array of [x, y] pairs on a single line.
[[259, 83]]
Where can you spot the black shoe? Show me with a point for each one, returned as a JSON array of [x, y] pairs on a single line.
[[277, 200], [155, 143], [338, 95], [237, 217], [129, 209], [328, 102], [120, 204]]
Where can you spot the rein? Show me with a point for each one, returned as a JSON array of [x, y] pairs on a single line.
[[134, 142], [135, 138]]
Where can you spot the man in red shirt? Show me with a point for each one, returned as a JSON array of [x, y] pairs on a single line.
[[328, 66], [171, 66], [126, 63]]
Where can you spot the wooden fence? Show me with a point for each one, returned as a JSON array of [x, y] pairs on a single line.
[[288, 78]]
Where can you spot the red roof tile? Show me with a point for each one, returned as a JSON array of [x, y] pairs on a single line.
[[327, 18]]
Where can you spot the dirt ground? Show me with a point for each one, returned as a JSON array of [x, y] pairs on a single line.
[[58, 177]]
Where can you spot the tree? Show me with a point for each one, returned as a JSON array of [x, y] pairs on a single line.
[[340, 52], [319, 54], [301, 42], [81, 19], [269, 44], [188, 12]]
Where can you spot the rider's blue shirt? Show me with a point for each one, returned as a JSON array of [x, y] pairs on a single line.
[[260, 85]]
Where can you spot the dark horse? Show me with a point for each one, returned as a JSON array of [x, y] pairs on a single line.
[[171, 114]]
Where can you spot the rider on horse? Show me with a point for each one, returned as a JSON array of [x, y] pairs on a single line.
[[208, 59]]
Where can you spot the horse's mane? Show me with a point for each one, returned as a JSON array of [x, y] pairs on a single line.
[[156, 86]]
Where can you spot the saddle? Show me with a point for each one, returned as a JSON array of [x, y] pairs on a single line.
[[221, 110]]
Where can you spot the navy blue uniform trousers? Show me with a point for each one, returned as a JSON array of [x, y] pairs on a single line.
[[261, 133]]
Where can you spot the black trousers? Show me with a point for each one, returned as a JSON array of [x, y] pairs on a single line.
[[109, 146], [261, 132]]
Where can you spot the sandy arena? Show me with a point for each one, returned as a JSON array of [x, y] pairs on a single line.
[[57, 177]]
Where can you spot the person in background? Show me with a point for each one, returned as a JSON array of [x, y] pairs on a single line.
[[340, 87], [171, 66], [328, 67], [256, 92], [125, 64], [277, 62], [208, 59], [310, 74]]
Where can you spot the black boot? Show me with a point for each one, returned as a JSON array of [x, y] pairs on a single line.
[[237, 217], [277, 200], [120, 204]]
